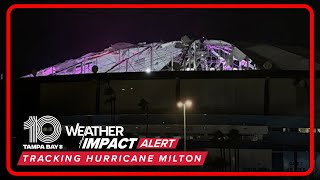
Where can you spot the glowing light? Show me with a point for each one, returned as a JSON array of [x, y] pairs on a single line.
[[188, 103], [148, 70], [123, 89], [180, 104]]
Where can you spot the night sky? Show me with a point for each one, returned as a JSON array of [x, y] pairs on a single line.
[[44, 37]]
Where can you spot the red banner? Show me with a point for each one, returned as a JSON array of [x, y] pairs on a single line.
[[112, 158]]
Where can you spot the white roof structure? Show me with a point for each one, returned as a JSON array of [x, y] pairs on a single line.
[[183, 55], [283, 59]]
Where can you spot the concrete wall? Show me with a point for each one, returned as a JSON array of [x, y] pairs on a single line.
[[209, 96], [161, 95], [235, 96], [70, 98]]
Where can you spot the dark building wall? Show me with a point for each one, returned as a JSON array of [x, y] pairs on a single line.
[[160, 94], [225, 96], [212, 96], [68, 98], [289, 97]]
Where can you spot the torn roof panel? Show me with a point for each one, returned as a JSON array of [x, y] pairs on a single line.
[[195, 55]]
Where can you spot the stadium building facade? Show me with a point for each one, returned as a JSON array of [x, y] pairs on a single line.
[[249, 100]]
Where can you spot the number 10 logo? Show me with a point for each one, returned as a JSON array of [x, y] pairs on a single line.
[[35, 129]]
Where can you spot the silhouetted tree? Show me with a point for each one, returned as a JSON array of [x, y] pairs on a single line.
[[220, 140], [235, 140], [144, 105], [216, 164]]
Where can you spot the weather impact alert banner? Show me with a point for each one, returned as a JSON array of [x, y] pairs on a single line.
[[100, 146]]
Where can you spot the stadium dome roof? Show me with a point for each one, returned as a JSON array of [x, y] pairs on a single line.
[[183, 55]]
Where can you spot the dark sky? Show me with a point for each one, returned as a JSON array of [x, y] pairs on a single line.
[[44, 37]]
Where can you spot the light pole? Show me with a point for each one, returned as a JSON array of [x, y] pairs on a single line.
[[184, 104]]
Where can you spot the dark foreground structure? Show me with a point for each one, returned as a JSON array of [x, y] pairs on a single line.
[[247, 120]]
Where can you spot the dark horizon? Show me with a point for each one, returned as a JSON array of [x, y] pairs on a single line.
[[44, 37]]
